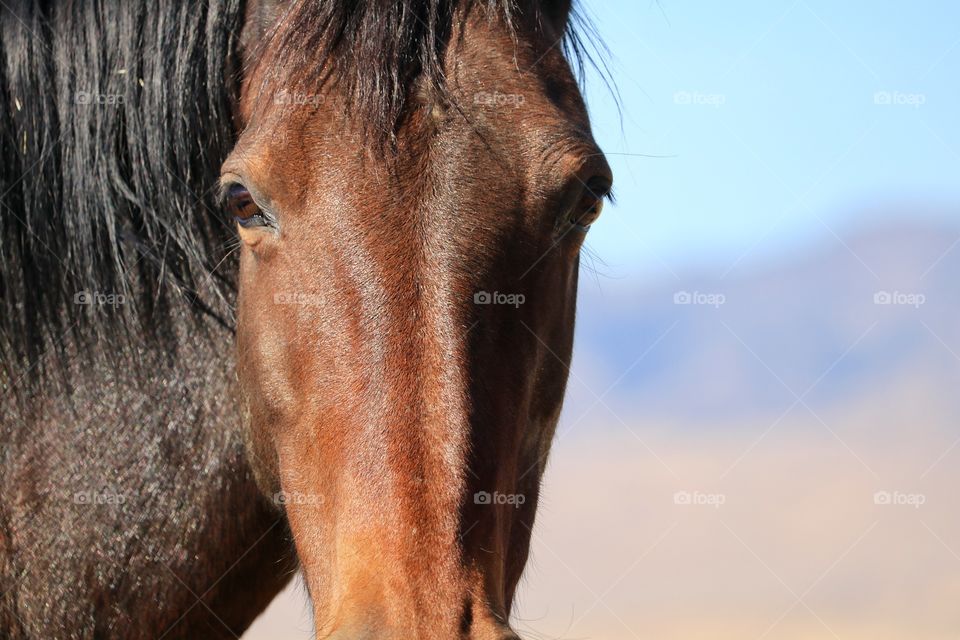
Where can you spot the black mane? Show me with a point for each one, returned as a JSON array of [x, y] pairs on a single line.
[[114, 119], [378, 49]]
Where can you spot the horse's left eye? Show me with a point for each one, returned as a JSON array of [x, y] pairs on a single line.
[[588, 209], [241, 205]]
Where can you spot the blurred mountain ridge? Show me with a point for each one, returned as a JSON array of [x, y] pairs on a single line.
[[861, 322]]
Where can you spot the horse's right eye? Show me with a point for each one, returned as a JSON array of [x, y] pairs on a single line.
[[241, 205]]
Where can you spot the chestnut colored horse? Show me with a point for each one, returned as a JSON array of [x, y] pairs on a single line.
[[369, 392]]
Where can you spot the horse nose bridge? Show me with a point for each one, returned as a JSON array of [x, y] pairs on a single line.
[[425, 336], [407, 634], [464, 617]]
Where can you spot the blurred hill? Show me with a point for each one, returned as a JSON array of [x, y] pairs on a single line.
[[864, 321]]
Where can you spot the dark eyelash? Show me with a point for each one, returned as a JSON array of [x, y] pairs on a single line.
[[601, 190]]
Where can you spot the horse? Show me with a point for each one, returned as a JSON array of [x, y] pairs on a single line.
[[286, 285]]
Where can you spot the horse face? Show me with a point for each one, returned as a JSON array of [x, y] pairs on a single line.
[[405, 326]]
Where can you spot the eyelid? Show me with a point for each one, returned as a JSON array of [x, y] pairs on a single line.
[[228, 180], [599, 188], [579, 192]]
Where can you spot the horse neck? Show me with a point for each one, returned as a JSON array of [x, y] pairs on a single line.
[[158, 436]]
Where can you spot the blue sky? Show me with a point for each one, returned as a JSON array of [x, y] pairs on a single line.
[[769, 126]]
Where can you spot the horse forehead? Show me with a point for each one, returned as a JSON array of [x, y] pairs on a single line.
[[492, 52], [513, 88]]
